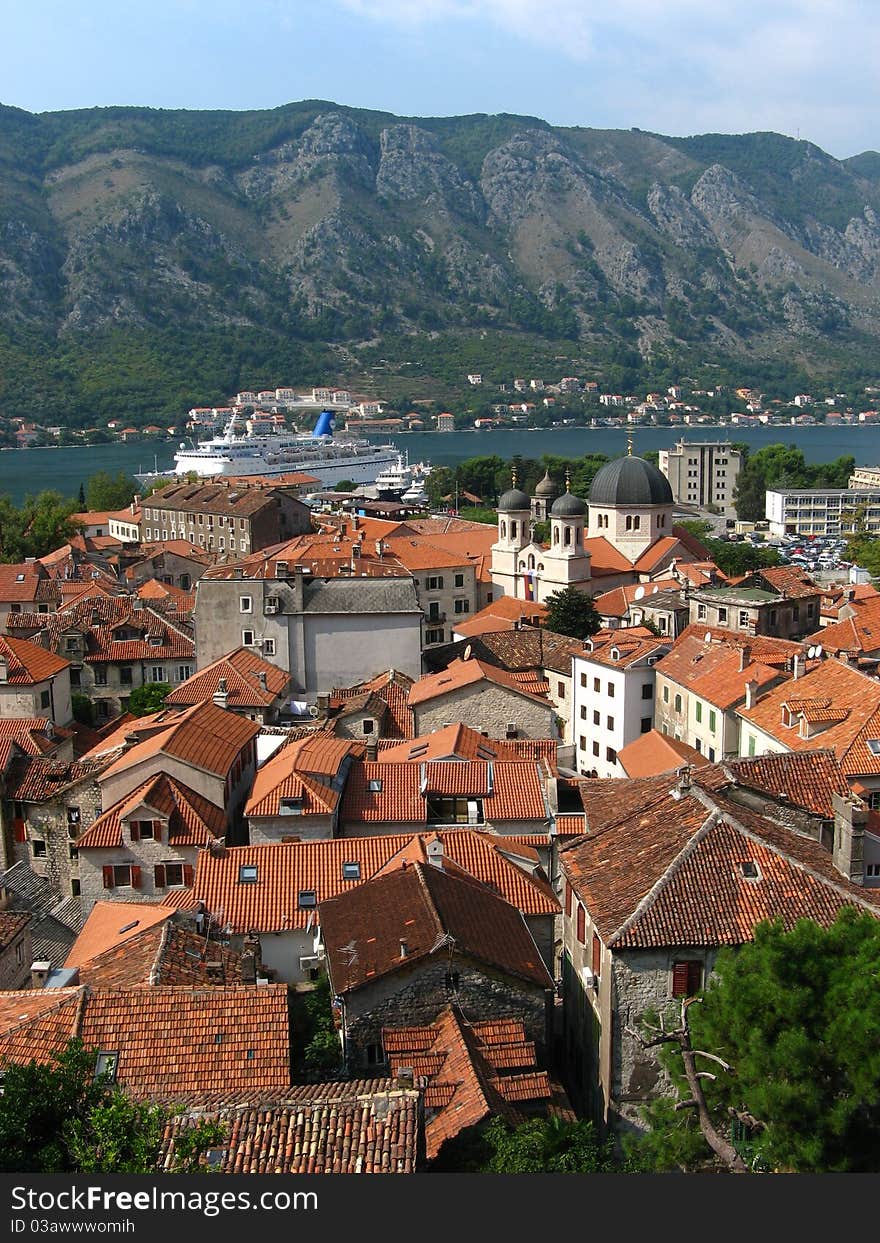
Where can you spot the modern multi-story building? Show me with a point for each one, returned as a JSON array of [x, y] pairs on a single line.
[[702, 472], [823, 511]]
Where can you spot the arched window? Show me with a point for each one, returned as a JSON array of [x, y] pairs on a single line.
[[629, 522], [637, 522], [513, 530], [567, 536], [531, 560], [504, 530], [555, 534], [577, 537], [522, 565]]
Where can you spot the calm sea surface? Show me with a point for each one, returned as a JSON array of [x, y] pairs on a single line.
[[24, 471]]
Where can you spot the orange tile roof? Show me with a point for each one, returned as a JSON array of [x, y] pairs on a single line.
[[34, 735], [327, 1129], [423, 905], [668, 872], [604, 557], [858, 634], [654, 753], [109, 925], [462, 673], [27, 583], [204, 736], [463, 743], [287, 868], [241, 670], [464, 1085], [192, 819], [615, 603], [622, 647], [161, 954], [28, 664], [309, 769], [854, 722]]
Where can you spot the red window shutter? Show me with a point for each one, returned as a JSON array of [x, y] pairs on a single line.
[[19, 828], [581, 924], [157, 830], [135, 830], [188, 875], [680, 978], [108, 876], [135, 877], [567, 898], [597, 956], [159, 876]]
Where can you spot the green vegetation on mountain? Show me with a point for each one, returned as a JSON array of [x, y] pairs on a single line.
[[152, 259]]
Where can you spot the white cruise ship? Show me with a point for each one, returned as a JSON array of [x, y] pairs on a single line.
[[258, 453]]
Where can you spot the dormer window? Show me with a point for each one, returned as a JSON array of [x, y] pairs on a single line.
[[307, 898], [247, 874], [291, 806], [106, 1066], [375, 785], [149, 830], [351, 870], [155, 640], [749, 870]]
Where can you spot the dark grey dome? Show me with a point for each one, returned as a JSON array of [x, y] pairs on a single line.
[[568, 506], [513, 500], [630, 481], [546, 487]]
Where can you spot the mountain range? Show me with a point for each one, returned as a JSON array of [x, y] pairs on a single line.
[[153, 252]]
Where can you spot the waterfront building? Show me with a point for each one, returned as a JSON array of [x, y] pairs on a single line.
[[702, 472], [823, 511]]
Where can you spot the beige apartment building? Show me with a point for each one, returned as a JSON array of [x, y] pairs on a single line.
[[702, 472]]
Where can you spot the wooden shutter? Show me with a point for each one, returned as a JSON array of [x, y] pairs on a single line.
[[19, 829], [597, 956], [567, 898], [135, 877], [134, 828], [157, 830], [107, 872], [188, 875], [581, 924], [680, 979], [159, 876], [695, 978]]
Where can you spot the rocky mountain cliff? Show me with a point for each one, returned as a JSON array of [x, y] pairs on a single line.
[[320, 223]]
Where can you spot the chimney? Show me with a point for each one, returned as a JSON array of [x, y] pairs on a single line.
[[797, 666], [251, 958], [372, 752], [751, 693], [435, 853], [264, 685], [404, 948], [40, 972], [847, 853], [404, 1078], [322, 700], [221, 695], [745, 657]]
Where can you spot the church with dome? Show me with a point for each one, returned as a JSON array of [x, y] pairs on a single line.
[[622, 534]]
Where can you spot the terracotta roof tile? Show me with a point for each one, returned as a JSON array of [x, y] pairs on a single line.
[[27, 663], [205, 736], [111, 924], [654, 753], [286, 869], [192, 819], [459, 674]]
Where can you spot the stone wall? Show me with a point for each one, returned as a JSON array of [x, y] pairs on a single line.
[[16, 959], [418, 994], [49, 822], [144, 854], [489, 709]]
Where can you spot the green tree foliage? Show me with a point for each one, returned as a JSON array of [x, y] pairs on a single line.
[[148, 698], [795, 1014], [42, 524], [317, 1048], [345, 485], [783, 466], [572, 612], [539, 1146], [58, 1118], [740, 557], [109, 492], [83, 708]]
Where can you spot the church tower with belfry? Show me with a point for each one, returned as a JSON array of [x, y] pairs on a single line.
[[525, 569]]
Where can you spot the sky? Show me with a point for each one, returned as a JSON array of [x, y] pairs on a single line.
[[805, 68]]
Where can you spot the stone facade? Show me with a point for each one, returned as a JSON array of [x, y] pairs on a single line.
[[50, 698], [16, 952], [43, 835], [417, 996], [755, 612], [143, 855], [448, 596], [489, 709], [212, 520]]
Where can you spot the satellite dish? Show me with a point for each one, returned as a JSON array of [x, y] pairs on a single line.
[[707, 637], [640, 591], [818, 650], [811, 653], [313, 711], [466, 655]]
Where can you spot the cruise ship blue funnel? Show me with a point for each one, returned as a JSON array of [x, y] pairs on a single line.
[[324, 425]]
